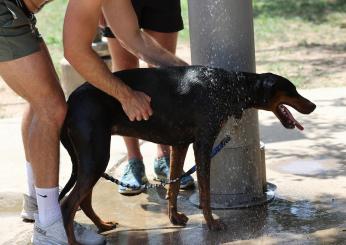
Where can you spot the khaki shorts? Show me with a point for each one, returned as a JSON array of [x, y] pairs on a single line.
[[18, 35]]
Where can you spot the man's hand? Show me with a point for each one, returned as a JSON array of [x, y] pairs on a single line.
[[136, 105]]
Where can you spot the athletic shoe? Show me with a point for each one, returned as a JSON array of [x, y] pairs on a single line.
[[161, 169], [134, 175], [29, 208], [55, 234]]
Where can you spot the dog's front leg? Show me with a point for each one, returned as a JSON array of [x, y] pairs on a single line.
[[177, 159], [202, 156]]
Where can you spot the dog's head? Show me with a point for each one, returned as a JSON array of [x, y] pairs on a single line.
[[274, 92]]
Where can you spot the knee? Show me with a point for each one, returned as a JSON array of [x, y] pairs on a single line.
[[59, 114], [52, 113]]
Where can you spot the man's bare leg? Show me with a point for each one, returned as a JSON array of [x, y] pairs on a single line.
[[122, 60], [30, 208], [33, 78], [161, 164], [169, 42], [26, 122]]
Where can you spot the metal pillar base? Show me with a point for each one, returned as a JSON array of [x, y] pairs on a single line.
[[232, 201]]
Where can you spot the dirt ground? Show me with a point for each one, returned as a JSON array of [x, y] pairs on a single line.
[[314, 65]]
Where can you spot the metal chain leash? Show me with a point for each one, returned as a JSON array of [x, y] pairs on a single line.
[[162, 183]]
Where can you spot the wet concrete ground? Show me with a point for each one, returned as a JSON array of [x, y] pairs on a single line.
[[309, 169]]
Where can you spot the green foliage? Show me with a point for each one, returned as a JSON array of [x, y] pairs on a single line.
[[50, 24], [308, 10], [184, 34]]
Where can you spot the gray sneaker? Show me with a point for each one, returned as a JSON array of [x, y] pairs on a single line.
[[55, 234], [29, 208], [134, 175], [161, 169]]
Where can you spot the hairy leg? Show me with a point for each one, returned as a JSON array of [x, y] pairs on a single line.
[[169, 42], [122, 60], [26, 122], [33, 78]]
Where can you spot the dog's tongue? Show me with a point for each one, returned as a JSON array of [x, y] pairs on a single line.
[[290, 116]]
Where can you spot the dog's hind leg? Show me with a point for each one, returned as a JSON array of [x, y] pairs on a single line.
[[89, 211], [91, 142], [67, 143], [101, 149], [202, 155], [177, 159]]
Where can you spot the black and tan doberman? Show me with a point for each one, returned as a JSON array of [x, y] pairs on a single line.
[[190, 105]]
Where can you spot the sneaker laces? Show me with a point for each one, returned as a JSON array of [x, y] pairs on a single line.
[[127, 170], [133, 167], [130, 169]]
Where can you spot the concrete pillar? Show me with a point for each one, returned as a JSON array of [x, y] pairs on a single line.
[[222, 35], [70, 78]]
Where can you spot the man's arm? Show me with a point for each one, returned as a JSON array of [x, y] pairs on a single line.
[[123, 21], [79, 31]]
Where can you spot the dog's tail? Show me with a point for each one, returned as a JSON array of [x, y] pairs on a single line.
[[68, 144]]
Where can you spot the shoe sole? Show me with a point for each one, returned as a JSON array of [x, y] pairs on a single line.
[[27, 217], [130, 192], [45, 242]]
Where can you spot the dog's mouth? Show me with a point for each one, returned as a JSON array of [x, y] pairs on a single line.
[[286, 118]]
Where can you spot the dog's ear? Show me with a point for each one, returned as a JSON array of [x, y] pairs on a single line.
[[264, 88]]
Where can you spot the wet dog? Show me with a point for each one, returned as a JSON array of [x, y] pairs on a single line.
[[190, 105]]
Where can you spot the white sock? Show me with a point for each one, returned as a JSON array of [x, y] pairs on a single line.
[[48, 205], [30, 180]]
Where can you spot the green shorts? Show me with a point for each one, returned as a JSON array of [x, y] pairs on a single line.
[[18, 35]]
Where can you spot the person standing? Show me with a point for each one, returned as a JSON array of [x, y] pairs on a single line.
[[26, 67], [162, 21]]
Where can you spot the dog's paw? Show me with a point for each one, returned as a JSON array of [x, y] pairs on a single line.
[[107, 226], [217, 225], [178, 218]]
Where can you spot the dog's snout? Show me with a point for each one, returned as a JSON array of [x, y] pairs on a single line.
[[313, 107], [307, 107]]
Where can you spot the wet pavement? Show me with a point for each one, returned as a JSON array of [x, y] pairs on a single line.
[[308, 168]]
